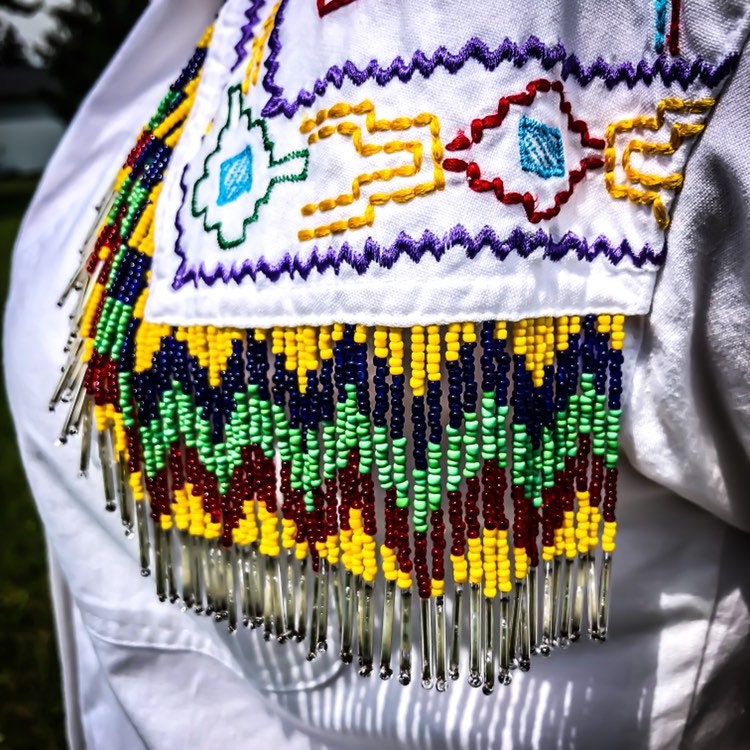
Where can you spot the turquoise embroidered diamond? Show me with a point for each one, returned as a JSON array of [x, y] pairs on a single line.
[[541, 148], [236, 177]]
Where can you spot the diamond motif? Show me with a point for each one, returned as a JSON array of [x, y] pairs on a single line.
[[541, 148], [253, 172], [236, 177], [543, 152]]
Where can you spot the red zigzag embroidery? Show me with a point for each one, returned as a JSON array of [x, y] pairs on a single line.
[[324, 8]]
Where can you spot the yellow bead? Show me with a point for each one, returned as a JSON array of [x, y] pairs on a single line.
[[404, 581]]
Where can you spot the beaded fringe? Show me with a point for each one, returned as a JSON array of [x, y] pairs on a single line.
[[246, 461]]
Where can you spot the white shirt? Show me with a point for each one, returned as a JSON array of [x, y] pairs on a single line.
[[138, 673]]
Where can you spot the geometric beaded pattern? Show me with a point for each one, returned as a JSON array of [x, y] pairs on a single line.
[[261, 442]]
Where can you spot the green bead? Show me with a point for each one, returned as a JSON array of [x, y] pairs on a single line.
[[490, 423], [399, 462], [453, 471], [419, 505], [471, 469], [381, 461]]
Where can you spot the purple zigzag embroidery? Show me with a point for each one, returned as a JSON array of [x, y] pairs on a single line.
[[320, 260], [253, 16], [669, 69]]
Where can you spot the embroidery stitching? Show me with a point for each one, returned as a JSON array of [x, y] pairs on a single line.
[[668, 70], [203, 205], [541, 149], [660, 31], [236, 177], [324, 8], [367, 150], [495, 185], [258, 50], [518, 242], [252, 14], [674, 28], [678, 133]]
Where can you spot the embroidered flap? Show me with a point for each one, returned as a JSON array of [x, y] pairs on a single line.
[[397, 163]]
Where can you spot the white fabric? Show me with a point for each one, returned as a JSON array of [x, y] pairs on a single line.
[[143, 674], [219, 232]]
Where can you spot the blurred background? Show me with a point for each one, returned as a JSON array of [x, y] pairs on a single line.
[[51, 53]]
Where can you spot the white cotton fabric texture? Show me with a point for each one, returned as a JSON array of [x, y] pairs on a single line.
[[213, 225], [140, 674]]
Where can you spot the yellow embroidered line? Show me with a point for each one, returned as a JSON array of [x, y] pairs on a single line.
[[366, 150], [258, 50], [678, 133]]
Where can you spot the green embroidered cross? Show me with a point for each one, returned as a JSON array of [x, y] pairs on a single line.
[[238, 179]]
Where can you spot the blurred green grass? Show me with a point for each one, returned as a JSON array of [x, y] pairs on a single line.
[[31, 712]]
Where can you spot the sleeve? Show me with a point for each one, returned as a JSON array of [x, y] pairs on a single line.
[[689, 413]]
